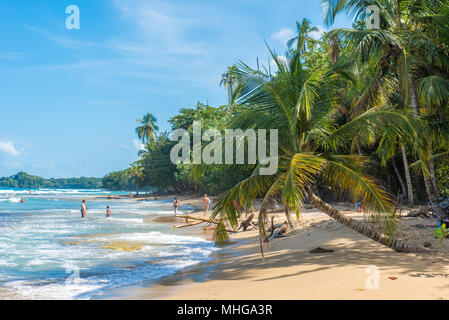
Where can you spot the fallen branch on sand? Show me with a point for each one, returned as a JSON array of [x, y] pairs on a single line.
[[187, 217], [420, 212], [277, 232], [213, 228], [248, 223], [188, 225]]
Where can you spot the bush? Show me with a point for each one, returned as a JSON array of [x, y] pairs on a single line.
[[443, 180]]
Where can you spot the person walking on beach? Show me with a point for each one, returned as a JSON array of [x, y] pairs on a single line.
[[108, 212], [176, 205], [206, 204], [83, 209]]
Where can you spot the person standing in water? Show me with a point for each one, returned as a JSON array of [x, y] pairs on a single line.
[[206, 204], [108, 212], [83, 209], [176, 205]]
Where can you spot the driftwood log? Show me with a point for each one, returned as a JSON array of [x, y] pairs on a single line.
[[277, 232], [187, 217], [422, 211], [188, 225], [248, 222]]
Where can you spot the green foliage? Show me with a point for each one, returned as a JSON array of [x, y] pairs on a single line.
[[443, 180], [118, 180], [25, 180], [158, 170], [441, 232]]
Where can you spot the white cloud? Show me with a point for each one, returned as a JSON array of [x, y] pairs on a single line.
[[317, 34], [9, 56], [138, 145], [281, 59], [166, 25], [283, 35], [8, 148]]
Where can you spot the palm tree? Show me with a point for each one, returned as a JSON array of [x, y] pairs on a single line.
[[229, 80], [135, 171], [303, 38], [300, 104], [407, 45], [147, 132]]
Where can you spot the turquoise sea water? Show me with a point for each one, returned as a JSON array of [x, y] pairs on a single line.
[[47, 251]]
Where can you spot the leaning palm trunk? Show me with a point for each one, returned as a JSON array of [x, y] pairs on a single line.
[[439, 212], [360, 227], [407, 176], [287, 215], [432, 172], [401, 181], [433, 178]]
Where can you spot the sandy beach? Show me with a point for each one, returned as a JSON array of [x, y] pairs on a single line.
[[290, 271]]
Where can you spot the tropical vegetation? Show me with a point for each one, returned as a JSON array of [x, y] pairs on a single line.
[[362, 115], [25, 180]]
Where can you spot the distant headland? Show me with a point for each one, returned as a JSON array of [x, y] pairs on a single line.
[[25, 180]]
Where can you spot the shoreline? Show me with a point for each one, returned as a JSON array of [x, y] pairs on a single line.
[[289, 271]]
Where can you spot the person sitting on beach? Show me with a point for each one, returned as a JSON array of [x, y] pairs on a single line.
[[108, 212], [206, 204], [83, 209], [176, 205]]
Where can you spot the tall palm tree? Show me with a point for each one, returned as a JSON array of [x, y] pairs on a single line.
[[299, 103], [135, 171], [302, 39], [147, 132]]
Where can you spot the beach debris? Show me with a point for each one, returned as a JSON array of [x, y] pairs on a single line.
[[393, 278], [187, 217], [277, 231], [248, 222], [321, 250], [188, 224], [423, 211]]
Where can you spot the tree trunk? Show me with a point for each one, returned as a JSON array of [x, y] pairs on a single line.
[[413, 97], [137, 189], [407, 176], [401, 180], [360, 227], [432, 172], [358, 149], [287, 215], [439, 212]]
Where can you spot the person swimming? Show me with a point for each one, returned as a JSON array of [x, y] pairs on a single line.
[[108, 212], [83, 209], [22, 200]]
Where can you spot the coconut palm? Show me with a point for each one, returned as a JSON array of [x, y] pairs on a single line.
[[147, 132], [229, 80], [300, 104], [407, 45], [302, 39], [135, 171]]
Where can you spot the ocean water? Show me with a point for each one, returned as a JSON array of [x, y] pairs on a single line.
[[47, 251]]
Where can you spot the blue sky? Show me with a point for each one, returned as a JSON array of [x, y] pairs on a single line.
[[69, 99]]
